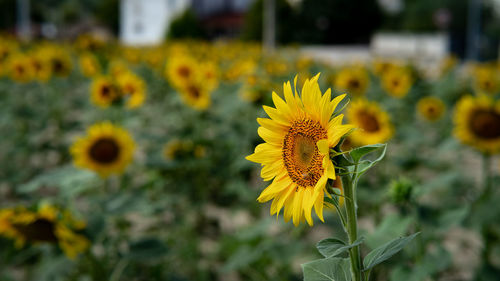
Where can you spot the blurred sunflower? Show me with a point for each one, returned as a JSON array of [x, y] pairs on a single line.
[[240, 68], [477, 123], [486, 79], [132, 88], [20, 68], [374, 125], [180, 69], [353, 80], [41, 67], [397, 81], [106, 149], [195, 94], [59, 59], [448, 64], [430, 108], [117, 67], [210, 75], [7, 47], [89, 65], [103, 91], [46, 225], [296, 153]]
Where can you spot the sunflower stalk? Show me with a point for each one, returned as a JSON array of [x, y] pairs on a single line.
[[349, 184]]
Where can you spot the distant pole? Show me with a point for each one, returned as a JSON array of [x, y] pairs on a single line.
[[269, 25], [473, 30], [23, 19]]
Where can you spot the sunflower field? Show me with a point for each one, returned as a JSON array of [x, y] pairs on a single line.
[[123, 163]]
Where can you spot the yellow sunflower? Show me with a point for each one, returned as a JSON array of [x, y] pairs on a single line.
[[397, 81], [48, 224], [353, 80], [41, 67], [298, 137], [132, 88], [374, 125], [195, 94], [180, 69], [210, 75], [20, 68], [103, 91], [106, 149], [89, 65], [486, 79], [59, 58], [430, 108], [477, 123]]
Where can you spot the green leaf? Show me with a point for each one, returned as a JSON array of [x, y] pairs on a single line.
[[332, 247], [147, 249], [329, 269], [358, 153], [391, 226], [364, 165], [386, 251]]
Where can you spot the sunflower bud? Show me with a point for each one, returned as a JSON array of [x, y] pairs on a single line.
[[400, 190]]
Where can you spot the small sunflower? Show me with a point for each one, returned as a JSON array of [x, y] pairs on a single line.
[[353, 80], [397, 81], [210, 75], [477, 123], [132, 88], [106, 149], [41, 67], [48, 224], [196, 95], [59, 59], [295, 156], [20, 68], [103, 91], [486, 79], [180, 69], [430, 108], [374, 125], [89, 65]]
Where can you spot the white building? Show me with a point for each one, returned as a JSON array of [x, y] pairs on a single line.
[[145, 22]]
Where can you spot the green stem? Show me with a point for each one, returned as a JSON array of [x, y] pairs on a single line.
[[349, 184]]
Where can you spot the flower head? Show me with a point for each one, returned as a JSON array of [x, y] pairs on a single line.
[[296, 152]]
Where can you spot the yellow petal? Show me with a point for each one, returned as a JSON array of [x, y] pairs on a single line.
[[323, 146]]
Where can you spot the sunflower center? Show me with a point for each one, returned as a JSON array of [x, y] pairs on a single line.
[[41, 230], [395, 82], [105, 91], [353, 84], [368, 121], [194, 92], [485, 124], [184, 71], [58, 66], [300, 153], [105, 151]]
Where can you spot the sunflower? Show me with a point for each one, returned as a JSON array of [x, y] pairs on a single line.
[[180, 69], [486, 79], [195, 94], [48, 224], [41, 67], [106, 149], [60, 60], [103, 91], [89, 65], [210, 75], [374, 125], [448, 64], [354, 80], [20, 68], [477, 123], [397, 81], [430, 108], [133, 88], [298, 137]]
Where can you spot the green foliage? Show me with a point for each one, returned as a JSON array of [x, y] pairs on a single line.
[[386, 251], [186, 26], [329, 269]]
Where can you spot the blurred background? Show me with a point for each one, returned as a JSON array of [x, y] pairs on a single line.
[[165, 192]]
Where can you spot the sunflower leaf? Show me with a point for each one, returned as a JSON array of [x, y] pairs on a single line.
[[386, 251], [358, 153], [332, 247], [329, 269], [365, 165]]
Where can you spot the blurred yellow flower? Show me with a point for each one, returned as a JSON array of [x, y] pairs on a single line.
[[106, 149], [89, 65], [180, 69], [486, 79], [374, 125], [397, 81], [353, 80], [430, 108], [477, 123], [20, 68], [46, 225], [296, 153], [132, 88], [103, 91]]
